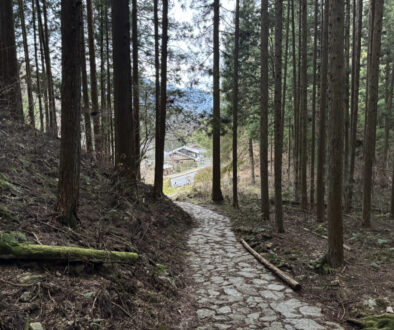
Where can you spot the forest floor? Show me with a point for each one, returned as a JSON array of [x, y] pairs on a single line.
[[363, 286], [147, 295]]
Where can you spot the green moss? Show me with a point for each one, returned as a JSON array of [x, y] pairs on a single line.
[[376, 322]]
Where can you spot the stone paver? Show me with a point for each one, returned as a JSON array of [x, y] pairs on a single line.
[[232, 290]]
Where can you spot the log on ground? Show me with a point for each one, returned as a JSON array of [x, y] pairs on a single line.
[[24, 251], [283, 276]]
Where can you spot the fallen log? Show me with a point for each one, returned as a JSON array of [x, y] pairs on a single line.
[[24, 251], [283, 276]]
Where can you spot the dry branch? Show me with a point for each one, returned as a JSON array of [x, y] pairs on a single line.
[[284, 277]]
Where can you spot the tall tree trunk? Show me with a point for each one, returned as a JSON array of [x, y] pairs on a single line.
[[93, 81], [27, 65], [39, 91], [10, 91], [304, 103], [284, 88], [51, 93], [235, 107], [388, 104], [136, 93], [278, 117], [347, 89], [296, 106], [251, 157], [158, 184], [124, 135], [336, 92], [321, 156], [372, 105], [103, 95], [109, 87], [264, 111], [70, 146], [85, 91], [45, 81], [314, 90], [217, 195], [357, 33]]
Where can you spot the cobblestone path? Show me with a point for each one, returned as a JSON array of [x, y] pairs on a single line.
[[234, 291]]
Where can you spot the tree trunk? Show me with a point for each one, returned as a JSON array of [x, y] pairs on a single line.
[[27, 65], [264, 111], [372, 105], [336, 93], [304, 104], [43, 69], [217, 195], [321, 156], [157, 89], [347, 86], [388, 103], [109, 87], [357, 33], [160, 140], [70, 146], [296, 106], [93, 81], [278, 117], [103, 95], [251, 157], [51, 93], [235, 107], [39, 91], [136, 93], [314, 90], [124, 135], [85, 91], [10, 91]]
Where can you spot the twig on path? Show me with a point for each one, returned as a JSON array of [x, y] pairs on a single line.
[[284, 277]]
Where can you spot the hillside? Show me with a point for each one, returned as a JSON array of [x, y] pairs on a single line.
[[75, 296]]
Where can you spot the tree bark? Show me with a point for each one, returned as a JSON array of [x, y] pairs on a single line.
[[93, 82], [304, 104], [296, 106], [10, 91], [160, 140], [336, 94], [124, 135], [136, 93], [27, 65], [388, 104], [51, 93], [264, 111], [392, 192], [70, 146], [321, 156], [235, 107], [314, 90], [372, 101], [39, 91], [85, 91], [278, 117], [357, 33], [251, 157], [217, 195], [347, 86]]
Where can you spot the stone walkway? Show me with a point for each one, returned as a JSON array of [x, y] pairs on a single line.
[[233, 290]]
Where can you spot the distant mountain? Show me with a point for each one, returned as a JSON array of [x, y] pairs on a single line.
[[193, 99]]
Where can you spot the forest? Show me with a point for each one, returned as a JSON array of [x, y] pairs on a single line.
[[212, 164]]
